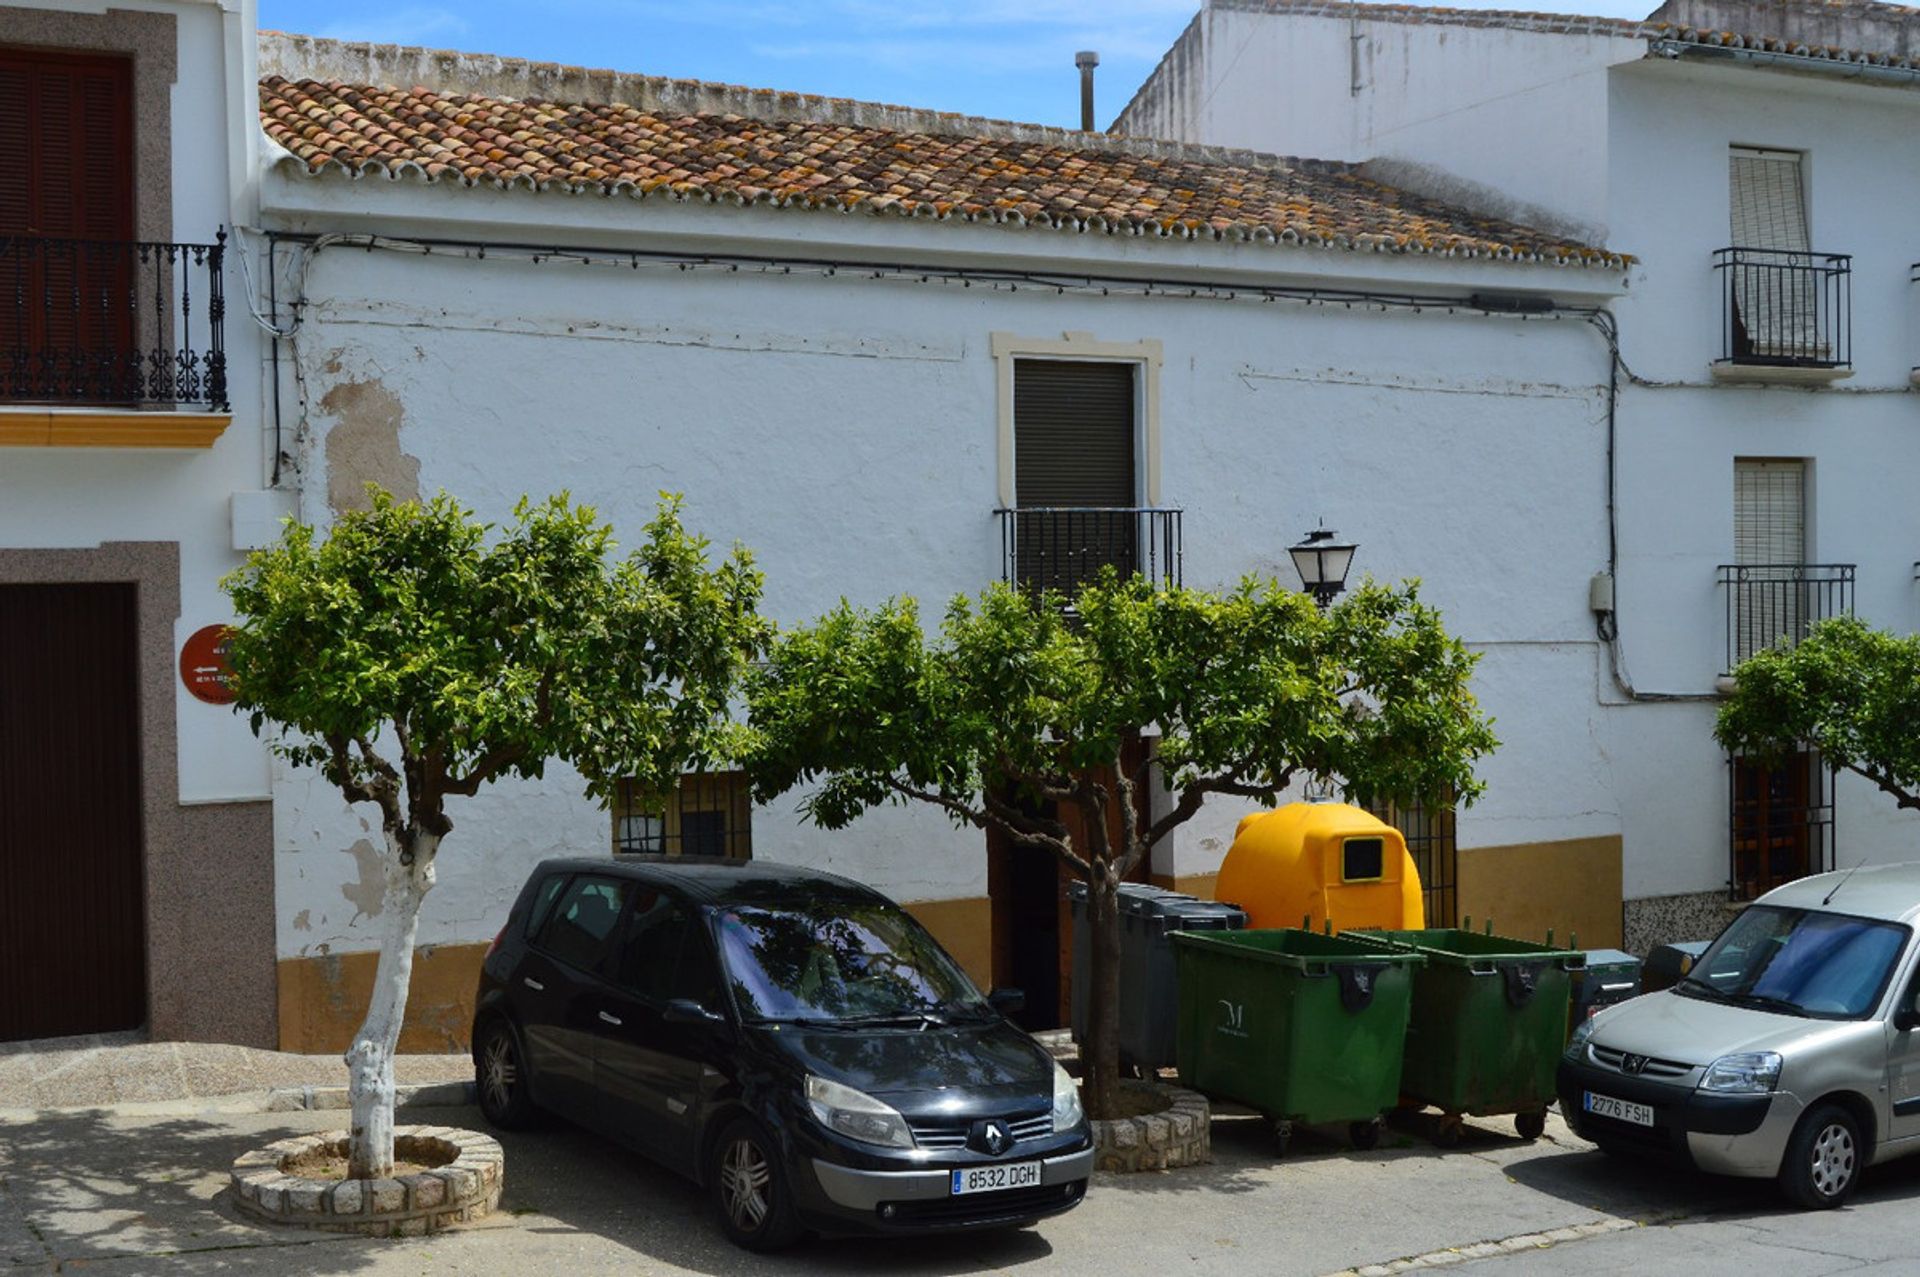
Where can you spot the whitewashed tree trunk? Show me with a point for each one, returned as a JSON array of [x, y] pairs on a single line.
[[370, 1058]]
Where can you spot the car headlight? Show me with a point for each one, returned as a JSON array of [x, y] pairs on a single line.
[[1067, 1112], [1577, 1044], [856, 1115], [1748, 1073]]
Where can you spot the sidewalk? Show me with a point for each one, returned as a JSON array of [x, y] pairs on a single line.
[[121, 1069]]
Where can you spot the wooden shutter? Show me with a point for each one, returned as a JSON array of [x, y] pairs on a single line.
[[1768, 202], [66, 144], [1073, 433], [1769, 511]]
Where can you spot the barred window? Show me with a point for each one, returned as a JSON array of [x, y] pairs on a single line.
[[710, 814]]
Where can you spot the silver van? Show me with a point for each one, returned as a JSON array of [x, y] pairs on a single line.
[[1790, 1051]]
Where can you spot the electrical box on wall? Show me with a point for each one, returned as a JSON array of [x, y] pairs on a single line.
[[257, 518], [1600, 593]]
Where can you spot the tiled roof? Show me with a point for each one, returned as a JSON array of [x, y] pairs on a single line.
[[1118, 189], [1618, 28]]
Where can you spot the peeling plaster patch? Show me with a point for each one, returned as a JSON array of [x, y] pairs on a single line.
[[368, 895], [303, 920], [364, 446]]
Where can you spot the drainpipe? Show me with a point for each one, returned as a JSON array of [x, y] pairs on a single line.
[[1086, 60]]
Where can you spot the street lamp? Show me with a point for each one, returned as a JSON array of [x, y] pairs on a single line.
[[1322, 561]]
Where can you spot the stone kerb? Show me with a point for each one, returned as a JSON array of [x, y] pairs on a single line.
[[1179, 1135], [465, 1185]]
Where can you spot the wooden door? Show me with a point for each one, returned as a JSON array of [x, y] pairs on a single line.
[[72, 929]]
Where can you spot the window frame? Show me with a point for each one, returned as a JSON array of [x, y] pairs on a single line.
[[1147, 354]]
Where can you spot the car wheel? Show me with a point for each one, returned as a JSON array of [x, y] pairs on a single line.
[[1823, 1160], [750, 1192], [501, 1078]]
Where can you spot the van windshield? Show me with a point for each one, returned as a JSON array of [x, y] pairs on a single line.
[[1799, 962], [864, 962]]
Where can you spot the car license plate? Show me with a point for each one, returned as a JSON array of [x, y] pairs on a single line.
[[1620, 1110], [994, 1179]]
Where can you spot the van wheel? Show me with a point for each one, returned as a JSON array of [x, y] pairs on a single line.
[[1823, 1159], [501, 1078], [750, 1192]]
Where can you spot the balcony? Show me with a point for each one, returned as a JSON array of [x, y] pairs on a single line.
[[1060, 548], [131, 330], [1785, 316], [1774, 604]]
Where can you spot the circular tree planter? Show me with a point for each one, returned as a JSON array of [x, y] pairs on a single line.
[[462, 1183], [1176, 1131]]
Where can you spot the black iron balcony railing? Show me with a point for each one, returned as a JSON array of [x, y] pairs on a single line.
[[1771, 604], [112, 322], [1061, 547], [1785, 309]]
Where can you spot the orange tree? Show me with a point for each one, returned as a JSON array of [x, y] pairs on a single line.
[[1016, 710]]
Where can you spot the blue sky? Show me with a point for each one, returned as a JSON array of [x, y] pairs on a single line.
[[1007, 58]]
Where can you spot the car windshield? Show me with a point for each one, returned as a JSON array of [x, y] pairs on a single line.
[[841, 961], [1800, 962]]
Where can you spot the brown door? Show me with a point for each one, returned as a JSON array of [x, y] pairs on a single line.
[[66, 209], [72, 935]]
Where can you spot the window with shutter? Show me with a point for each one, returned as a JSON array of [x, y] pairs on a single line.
[[66, 144], [1777, 293], [1075, 480], [1770, 534]]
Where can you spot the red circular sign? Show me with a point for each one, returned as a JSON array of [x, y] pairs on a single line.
[[203, 665]]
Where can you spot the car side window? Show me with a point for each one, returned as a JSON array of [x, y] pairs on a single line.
[[583, 919], [543, 903], [651, 950]]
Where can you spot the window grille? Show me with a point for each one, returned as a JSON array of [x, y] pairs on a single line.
[[1429, 832], [709, 814]]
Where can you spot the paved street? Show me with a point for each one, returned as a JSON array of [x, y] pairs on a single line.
[[118, 1194]]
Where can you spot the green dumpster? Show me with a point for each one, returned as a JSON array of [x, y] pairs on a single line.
[[1303, 1027], [1489, 1022]]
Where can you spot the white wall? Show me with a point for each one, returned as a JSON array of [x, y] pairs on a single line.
[[845, 430]]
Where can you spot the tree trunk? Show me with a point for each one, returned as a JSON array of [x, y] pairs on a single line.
[[370, 1058], [1100, 1053]]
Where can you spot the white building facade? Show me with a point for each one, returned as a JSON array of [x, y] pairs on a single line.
[[136, 458], [1765, 433], [841, 393]]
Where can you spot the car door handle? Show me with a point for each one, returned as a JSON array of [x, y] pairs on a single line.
[[614, 1020], [533, 984]]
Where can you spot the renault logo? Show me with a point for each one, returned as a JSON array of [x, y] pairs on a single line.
[[992, 1138], [1632, 1064]]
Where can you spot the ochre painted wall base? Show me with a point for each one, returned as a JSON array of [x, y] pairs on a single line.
[[324, 1000], [964, 929], [1572, 886]]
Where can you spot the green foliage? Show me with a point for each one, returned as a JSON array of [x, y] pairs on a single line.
[[1850, 691], [485, 655], [1247, 689]]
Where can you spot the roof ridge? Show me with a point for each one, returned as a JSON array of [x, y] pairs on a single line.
[[1525, 19], [322, 60]]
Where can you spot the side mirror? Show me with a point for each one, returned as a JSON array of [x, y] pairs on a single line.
[[1008, 1001], [1907, 1018], [687, 1011]]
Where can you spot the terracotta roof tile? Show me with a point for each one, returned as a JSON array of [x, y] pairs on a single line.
[[612, 149]]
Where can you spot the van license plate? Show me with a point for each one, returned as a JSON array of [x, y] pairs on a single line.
[[994, 1179], [1620, 1110]]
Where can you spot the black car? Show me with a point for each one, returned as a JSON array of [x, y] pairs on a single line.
[[791, 1040]]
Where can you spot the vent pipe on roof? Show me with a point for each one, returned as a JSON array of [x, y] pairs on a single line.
[[1086, 60]]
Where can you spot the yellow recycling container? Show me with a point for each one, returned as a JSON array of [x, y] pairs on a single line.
[[1320, 862]]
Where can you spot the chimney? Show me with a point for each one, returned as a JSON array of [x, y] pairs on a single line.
[[1086, 60]]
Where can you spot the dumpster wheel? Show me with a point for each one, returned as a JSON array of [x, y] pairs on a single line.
[[1531, 1125], [1446, 1132], [1282, 1136], [1364, 1136]]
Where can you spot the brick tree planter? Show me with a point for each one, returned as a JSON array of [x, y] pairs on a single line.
[[1179, 1135], [463, 1186]]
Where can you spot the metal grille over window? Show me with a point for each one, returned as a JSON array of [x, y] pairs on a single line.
[[1781, 822], [710, 814], [1430, 841]]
